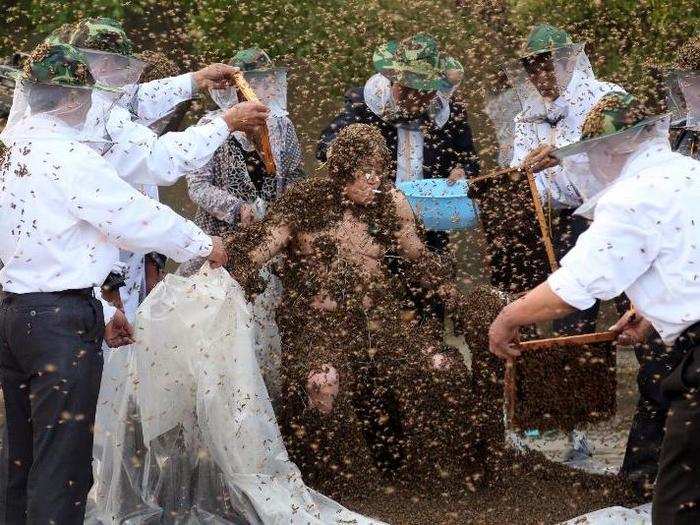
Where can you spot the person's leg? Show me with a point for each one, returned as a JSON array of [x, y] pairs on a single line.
[[18, 454], [677, 490], [58, 340], [640, 465]]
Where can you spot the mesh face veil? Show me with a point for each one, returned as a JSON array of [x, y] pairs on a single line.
[[683, 98], [594, 165], [113, 69], [541, 78], [270, 85]]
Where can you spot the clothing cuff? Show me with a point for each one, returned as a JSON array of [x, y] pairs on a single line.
[[565, 285], [220, 127], [107, 309], [206, 248]]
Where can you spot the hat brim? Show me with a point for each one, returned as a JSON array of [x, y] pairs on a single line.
[[581, 145]]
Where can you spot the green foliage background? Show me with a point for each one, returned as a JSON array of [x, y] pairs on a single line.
[[327, 44]]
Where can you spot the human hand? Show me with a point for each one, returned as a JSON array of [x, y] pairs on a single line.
[[215, 76], [218, 256], [119, 332], [322, 388], [246, 116], [246, 216], [455, 175], [540, 159], [503, 337], [632, 328]]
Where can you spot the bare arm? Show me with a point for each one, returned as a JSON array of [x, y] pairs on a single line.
[[409, 242], [538, 305]]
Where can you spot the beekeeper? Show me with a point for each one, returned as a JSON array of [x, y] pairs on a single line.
[[684, 97], [63, 214], [141, 155], [409, 100], [643, 242], [556, 88]]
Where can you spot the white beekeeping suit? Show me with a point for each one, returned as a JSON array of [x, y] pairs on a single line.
[[555, 122]]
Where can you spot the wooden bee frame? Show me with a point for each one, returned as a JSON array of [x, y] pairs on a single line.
[[249, 95], [557, 383]]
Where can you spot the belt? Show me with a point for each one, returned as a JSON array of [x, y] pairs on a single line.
[[86, 292]]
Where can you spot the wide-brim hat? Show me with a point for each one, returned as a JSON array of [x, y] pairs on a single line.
[[544, 38], [417, 63]]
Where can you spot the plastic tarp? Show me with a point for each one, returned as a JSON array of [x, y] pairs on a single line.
[[615, 516], [185, 431]]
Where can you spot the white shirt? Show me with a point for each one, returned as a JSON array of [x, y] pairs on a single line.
[[142, 156], [568, 112], [64, 212], [644, 241]]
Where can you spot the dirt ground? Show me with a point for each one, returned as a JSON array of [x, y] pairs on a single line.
[[535, 492]]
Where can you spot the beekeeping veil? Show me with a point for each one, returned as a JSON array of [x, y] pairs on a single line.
[[683, 86], [613, 131], [54, 95], [684, 98], [550, 68], [270, 85], [416, 63]]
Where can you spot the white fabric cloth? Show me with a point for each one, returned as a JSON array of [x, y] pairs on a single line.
[[644, 241], [142, 157], [615, 516], [193, 373], [64, 213], [557, 123], [154, 100], [409, 161]]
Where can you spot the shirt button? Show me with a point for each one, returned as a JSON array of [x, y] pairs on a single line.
[[32, 313]]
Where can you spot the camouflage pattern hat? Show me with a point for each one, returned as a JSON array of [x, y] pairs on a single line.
[[417, 63], [250, 59], [545, 38], [614, 112], [58, 64], [99, 34]]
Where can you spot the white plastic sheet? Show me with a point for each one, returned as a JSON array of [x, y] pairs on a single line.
[[615, 516], [186, 432]]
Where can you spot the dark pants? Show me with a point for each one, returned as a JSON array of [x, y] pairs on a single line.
[[566, 228], [677, 491], [641, 462], [51, 362]]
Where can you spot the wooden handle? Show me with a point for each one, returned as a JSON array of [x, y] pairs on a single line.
[[542, 221], [250, 95], [569, 340]]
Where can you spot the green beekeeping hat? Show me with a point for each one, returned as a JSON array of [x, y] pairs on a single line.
[[250, 59], [545, 38], [614, 112], [99, 34], [59, 64], [417, 63]]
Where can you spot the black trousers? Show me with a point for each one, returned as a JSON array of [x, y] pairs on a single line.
[[566, 228], [641, 462], [677, 490], [51, 364]]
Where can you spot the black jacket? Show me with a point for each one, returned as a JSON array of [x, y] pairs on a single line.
[[445, 148]]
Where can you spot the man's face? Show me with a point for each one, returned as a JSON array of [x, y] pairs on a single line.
[[367, 179], [540, 70], [411, 103]]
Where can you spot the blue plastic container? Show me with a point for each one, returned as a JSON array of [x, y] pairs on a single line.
[[441, 207]]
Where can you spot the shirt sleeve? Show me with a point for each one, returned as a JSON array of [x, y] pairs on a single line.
[[142, 157], [127, 218], [154, 100], [212, 199], [619, 246]]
